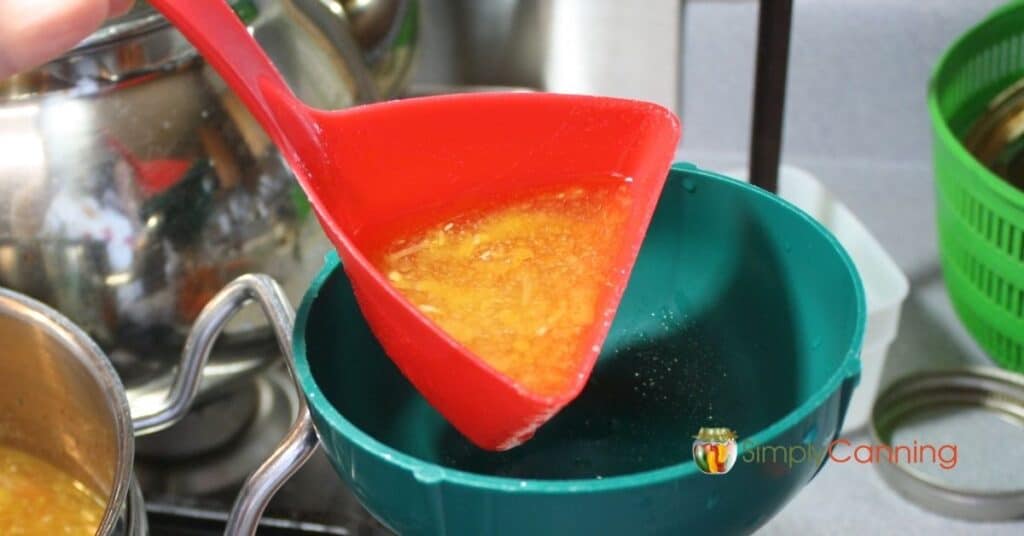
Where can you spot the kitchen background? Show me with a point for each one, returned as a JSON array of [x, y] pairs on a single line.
[[856, 118], [855, 107]]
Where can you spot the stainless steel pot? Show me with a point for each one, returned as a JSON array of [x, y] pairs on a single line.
[[134, 184], [61, 397]]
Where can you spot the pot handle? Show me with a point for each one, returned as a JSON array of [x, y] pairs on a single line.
[[301, 440], [260, 487], [207, 327]]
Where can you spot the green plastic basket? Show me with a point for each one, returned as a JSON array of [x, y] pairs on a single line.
[[980, 215]]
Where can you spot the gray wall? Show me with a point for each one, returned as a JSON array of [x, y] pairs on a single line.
[[858, 74], [855, 110]]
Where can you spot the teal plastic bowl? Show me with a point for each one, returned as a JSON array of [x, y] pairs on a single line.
[[741, 312]]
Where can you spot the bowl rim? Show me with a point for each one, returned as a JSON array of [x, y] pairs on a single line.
[[429, 472]]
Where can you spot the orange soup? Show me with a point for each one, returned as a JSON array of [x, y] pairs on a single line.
[[517, 284], [37, 498]]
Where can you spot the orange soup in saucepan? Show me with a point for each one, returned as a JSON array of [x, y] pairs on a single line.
[[518, 283], [37, 498]]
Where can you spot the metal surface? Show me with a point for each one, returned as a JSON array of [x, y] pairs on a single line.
[[195, 497], [217, 420], [988, 388], [566, 46], [141, 19], [134, 185], [382, 30], [773, 27], [176, 521], [176, 473], [372, 20], [996, 138], [135, 522]]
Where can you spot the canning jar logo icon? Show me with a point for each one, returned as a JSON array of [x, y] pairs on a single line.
[[714, 450]]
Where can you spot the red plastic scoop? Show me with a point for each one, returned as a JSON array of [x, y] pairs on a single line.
[[369, 167]]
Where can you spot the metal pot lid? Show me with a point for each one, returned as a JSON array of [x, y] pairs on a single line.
[[959, 430]]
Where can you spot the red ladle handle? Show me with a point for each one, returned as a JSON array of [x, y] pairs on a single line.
[[224, 41]]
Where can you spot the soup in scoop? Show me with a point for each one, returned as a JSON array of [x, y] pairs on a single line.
[[517, 284]]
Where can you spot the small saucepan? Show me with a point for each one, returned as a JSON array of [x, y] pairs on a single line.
[[62, 401]]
